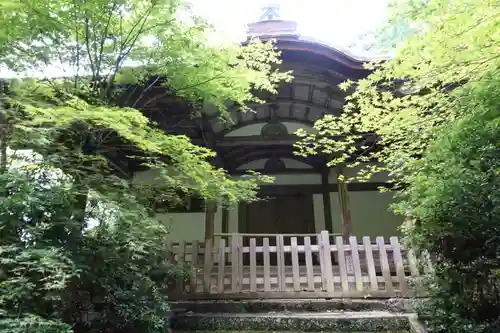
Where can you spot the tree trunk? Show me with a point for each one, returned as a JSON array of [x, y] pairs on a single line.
[[345, 210], [210, 220], [3, 132]]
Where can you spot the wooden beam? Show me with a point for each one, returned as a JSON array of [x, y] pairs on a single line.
[[211, 207], [310, 170], [257, 140], [288, 100], [327, 206], [345, 210], [287, 295], [288, 140], [271, 190]]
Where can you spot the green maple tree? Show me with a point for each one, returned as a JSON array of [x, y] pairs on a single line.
[[100, 47], [86, 75], [407, 99], [433, 111]]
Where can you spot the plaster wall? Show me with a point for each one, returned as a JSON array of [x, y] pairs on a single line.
[[369, 213], [255, 129], [260, 164], [351, 172], [369, 210], [293, 179]]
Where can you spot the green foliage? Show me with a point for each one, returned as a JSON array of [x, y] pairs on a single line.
[[456, 198], [434, 111], [105, 66], [35, 266], [100, 47], [457, 43], [57, 277]]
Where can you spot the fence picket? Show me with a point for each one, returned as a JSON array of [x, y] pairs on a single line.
[[235, 283], [356, 263], [339, 240], [295, 264], [309, 263], [321, 262], [171, 252], [222, 266], [208, 266], [415, 272], [412, 262], [253, 265], [327, 260], [398, 262], [426, 258], [280, 255], [370, 263], [240, 261], [384, 263], [267, 266], [180, 261], [195, 247]]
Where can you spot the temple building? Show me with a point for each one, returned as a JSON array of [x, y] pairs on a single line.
[[305, 197]]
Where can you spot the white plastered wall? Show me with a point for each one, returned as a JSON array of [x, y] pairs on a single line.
[[183, 226], [255, 129], [369, 212]]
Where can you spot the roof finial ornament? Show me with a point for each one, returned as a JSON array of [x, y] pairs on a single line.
[[270, 24], [270, 12]]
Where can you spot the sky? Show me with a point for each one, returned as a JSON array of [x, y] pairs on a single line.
[[336, 22], [333, 22]]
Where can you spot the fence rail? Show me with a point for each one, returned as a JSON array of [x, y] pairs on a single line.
[[305, 266]]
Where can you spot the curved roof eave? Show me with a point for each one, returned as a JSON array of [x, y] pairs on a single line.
[[291, 42], [341, 51]]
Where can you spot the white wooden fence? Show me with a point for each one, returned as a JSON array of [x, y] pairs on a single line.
[[239, 266]]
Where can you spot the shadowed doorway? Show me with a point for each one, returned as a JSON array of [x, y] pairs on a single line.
[[281, 214]]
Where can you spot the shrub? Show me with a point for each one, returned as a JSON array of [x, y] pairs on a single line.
[[58, 276], [455, 196]]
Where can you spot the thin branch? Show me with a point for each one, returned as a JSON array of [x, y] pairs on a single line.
[[159, 96], [77, 37], [87, 43], [215, 77], [125, 50], [104, 36], [144, 91]]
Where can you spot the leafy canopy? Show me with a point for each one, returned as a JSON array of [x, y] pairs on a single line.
[[434, 111], [455, 200], [56, 277], [89, 78], [99, 50], [407, 99]]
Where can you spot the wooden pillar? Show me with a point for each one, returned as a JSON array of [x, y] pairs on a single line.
[[327, 205], [210, 210], [345, 215], [225, 221], [345, 210], [211, 206]]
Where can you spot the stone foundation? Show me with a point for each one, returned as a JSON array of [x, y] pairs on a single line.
[[374, 321], [339, 315]]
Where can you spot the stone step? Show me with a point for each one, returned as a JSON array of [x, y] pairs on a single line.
[[293, 305], [336, 321]]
